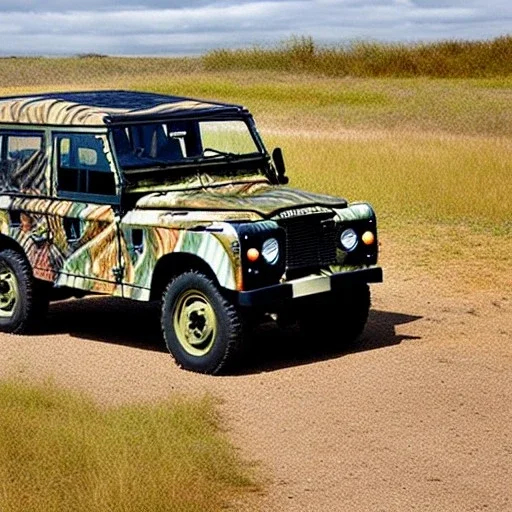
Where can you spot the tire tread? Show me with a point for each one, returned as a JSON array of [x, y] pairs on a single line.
[[34, 295], [232, 318]]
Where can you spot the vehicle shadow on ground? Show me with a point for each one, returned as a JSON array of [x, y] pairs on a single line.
[[109, 320], [272, 348], [136, 324]]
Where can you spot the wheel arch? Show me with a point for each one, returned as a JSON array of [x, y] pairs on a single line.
[[174, 264], [6, 242]]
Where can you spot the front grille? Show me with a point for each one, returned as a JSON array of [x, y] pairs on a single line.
[[310, 241]]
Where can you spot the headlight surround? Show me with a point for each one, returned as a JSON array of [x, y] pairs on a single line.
[[348, 239], [270, 251]]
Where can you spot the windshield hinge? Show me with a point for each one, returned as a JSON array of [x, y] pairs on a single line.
[[118, 273]]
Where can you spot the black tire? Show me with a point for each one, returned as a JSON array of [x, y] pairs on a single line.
[[23, 299], [337, 320], [202, 329]]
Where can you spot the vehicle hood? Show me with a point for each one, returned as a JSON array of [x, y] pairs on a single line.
[[262, 198]]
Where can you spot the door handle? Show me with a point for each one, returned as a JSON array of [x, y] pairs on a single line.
[[73, 229], [41, 237]]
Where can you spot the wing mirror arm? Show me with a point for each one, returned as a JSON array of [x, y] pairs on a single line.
[[277, 157]]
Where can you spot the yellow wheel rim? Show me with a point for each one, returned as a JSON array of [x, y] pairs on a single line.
[[195, 322], [9, 291]]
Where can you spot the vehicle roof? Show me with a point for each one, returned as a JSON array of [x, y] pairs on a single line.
[[106, 107]]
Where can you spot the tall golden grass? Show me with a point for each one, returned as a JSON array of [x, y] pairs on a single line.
[[309, 103], [61, 452], [442, 59], [431, 149], [430, 178], [299, 55]]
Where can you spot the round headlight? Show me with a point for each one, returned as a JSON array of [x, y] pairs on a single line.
[[348, 239], [270, 251]]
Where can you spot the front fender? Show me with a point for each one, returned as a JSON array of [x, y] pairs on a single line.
[[145, 245], [216, 250]]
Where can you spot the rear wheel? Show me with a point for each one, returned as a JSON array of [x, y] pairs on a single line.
[[202, 329], [23, 300], [337, 320]]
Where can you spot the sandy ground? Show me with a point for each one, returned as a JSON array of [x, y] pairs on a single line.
[[418, 418]]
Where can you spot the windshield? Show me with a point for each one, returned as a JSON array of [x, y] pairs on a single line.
[[170, 143]]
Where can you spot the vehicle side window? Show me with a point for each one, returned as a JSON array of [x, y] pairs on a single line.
[[22, 162], [82, 166], [21, 148]]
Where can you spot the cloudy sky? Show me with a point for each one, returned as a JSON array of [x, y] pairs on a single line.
[[177, 27]]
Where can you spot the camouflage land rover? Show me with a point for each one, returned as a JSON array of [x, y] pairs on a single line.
[[153, 197]]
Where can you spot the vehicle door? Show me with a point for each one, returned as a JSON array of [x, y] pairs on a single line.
[[24, 198], [83, 219]]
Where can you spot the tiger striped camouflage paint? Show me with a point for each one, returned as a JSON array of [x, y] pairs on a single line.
[[89, 263], [61, 112], [90, 246], [105, 242]]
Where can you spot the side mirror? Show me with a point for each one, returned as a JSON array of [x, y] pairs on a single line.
[[277, 157]]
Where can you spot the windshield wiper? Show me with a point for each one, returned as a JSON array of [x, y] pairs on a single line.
[[228, 156], [217, 153]]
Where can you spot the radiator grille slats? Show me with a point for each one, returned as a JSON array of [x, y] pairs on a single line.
[[310, 241]]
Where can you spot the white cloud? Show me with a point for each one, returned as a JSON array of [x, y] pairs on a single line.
[[167, 27]]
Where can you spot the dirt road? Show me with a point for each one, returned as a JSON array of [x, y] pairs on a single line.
[[419, 418]]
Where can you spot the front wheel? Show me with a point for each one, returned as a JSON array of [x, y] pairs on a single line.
[[201, 328]]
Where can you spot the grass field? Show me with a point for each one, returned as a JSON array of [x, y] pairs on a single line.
[[60, 451], [439, 59]]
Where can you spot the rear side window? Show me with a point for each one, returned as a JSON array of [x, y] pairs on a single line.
[[83, 170], [22, 162], [21, 148]]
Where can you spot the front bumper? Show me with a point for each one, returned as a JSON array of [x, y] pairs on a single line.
[[306, 286]]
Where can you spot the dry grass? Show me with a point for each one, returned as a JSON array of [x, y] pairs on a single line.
[[442, 59], [297, 56], [427, 177], [41, 72], [310, 101], [286, 101], [457, 257], [59, 451]]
